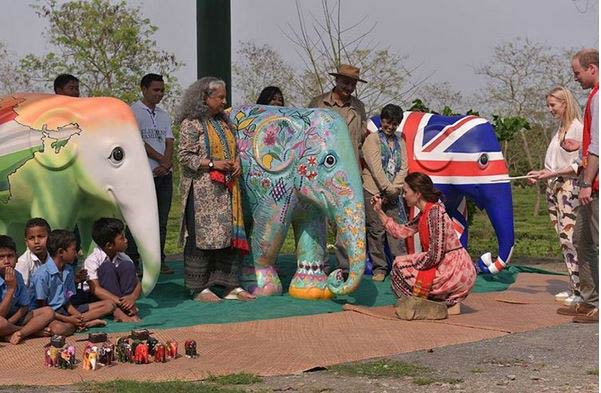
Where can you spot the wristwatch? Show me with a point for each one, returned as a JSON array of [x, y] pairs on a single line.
[[211, 164], [584, 184]]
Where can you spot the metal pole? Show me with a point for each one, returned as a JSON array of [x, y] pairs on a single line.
[[214, 41]]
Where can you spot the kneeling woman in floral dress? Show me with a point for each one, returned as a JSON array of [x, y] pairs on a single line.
[[442, 272]]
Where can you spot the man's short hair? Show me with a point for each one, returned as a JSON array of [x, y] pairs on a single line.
[[149, 78], [105, 230], [8, 242], [392, 112], [37, 222], [59, 238], [587, 56], [61, 81]]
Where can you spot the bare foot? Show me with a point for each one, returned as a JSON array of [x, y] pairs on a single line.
[[121, 316], [16, 338], [95, 323], [207, 296]]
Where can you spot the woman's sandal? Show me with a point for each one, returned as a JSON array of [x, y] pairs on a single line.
[[455, 309], [207, 296], [239, 294]]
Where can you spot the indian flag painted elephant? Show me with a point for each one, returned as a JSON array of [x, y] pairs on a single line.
[[72, 161], [298, 169]]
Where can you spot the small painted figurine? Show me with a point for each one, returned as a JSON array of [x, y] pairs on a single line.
[[190, 348], [124, 351], [89, 358], [141, 354], [67, 358], [106, 354], [152, 342], [159, 354], [171, 349], [51, 355]]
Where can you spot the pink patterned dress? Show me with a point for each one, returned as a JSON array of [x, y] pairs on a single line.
[[455, 273]]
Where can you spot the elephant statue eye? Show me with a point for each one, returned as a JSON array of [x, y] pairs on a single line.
[[483, 160], [117, 155], [329, 161]]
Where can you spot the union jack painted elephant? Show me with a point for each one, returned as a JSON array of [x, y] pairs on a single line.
[[464, 159]]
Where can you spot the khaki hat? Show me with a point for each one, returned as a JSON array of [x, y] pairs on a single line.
[[349, 71]]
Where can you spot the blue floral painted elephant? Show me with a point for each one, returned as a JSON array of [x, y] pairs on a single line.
[[298, 167]]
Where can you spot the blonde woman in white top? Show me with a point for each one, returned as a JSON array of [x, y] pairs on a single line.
[[562, 187]]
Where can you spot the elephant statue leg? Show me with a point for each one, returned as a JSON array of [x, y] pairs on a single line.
[[310, 281], [458, 213], [271, 222]]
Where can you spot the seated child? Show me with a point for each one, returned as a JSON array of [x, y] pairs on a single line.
[[16, 321], [111, 273], [53, 284], [36, 236]]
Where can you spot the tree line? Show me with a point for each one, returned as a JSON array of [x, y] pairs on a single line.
[[109, 44]]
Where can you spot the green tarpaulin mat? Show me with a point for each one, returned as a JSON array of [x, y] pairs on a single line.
[[170, 305]]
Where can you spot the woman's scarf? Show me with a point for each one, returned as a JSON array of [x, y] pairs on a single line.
[[391, 164], [425, 278], [221, 145], [391, 155]]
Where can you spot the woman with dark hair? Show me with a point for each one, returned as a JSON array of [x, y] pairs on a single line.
[[271, 95], [443, 271], [212, 221]]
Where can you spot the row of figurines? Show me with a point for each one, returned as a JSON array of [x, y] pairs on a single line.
[[126, 351]]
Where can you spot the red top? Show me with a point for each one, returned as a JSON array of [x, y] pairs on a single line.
[[586, 134]]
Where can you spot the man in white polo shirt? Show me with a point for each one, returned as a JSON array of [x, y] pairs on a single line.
[[155, 126]]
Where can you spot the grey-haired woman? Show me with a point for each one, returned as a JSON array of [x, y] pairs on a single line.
[[212, 225]]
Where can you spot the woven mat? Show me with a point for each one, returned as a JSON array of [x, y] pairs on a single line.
[[295, 344]]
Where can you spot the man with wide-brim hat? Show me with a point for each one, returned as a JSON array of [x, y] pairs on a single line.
[[341, 99], [352, 110]]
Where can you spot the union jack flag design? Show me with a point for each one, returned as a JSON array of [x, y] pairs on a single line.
[[451, 149]]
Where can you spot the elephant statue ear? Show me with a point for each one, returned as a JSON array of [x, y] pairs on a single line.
[[276, 142], [53, 135]]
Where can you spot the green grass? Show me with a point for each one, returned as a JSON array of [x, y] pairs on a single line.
[[234, 379], [387, 368], [430, 380], [535, 237], [124, 386], [379, 369]]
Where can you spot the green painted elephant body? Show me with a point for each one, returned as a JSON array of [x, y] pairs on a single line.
[[72, 161]]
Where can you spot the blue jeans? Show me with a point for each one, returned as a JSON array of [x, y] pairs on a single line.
[[163, 186]]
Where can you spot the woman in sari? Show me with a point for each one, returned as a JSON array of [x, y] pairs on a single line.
[[443, 271], [212, 224]]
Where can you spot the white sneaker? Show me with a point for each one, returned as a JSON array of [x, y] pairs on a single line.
[[562, 296], [573, 300]]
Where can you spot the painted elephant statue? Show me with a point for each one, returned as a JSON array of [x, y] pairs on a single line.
[[298, 167], [464, 159], [72, 161]]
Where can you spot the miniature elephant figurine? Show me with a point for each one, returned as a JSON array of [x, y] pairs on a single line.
[[171, 349], [72, 161], [299, 169], [159, 354], [141, 355]]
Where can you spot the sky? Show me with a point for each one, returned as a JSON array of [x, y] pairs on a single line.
[[445, 38]]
